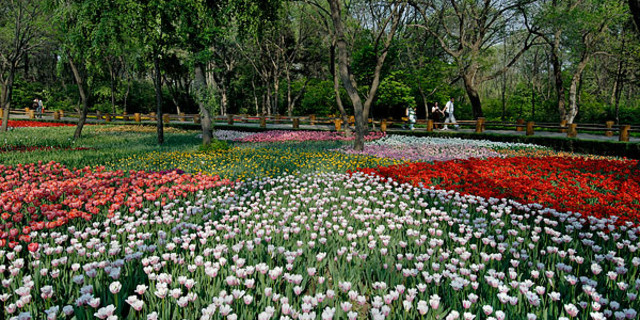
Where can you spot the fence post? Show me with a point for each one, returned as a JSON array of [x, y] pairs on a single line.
[[137, 117], [609, 132], [573, 130], [61, 113], [196, 118], [32, 114], [480, 125], [383, 125], [107, 117], [338, 124], [153, 116], [1, 112], [563, 125], [520, 123], [263, 122], [624, 133], [166, 118], [125, 116], [56, 115], [312, 119], [182, 117], [230, 119], [530, 125], [430, 125], [296, 123]]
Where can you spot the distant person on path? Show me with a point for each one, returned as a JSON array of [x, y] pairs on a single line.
[[411, 114], [449, 117], [36, 105], [40, 108], [435, 115]]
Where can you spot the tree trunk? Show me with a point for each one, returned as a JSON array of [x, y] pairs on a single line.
[[559, 83], [573, 89], [345, 75], [224, 99], [336, 90], [200, 83], [112, 79], [361, 110], [84, 98], [5, 101], [289, 97], [276, 98], [474, 97], [157, 82]]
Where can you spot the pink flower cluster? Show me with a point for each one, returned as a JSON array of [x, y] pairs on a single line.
[[283, 136]]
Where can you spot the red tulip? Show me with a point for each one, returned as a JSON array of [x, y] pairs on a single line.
[[33, 247]]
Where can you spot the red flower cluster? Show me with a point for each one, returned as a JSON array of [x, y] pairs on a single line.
[[35, 124], [600, 188], [39, 196]]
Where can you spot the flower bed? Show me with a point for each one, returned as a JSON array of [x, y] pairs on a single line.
[[281, 136], [599, 188], [251, 161], [46, 196], [35, 124], [329, 246], [231, 135], [409, 148]]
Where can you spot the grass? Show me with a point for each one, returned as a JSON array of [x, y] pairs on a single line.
[[104, 144]]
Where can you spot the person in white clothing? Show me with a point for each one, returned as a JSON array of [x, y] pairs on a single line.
[[449, 117]]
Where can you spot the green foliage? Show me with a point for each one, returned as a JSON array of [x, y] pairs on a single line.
[[393, 96], [320, 99], [364, 63], [214, 146]]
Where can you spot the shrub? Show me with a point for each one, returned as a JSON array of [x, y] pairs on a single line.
[[215, 145]]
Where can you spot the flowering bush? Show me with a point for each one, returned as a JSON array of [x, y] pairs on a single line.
[[35, 124], [329, 246], [599, 188], [281, 136], [45, 196]]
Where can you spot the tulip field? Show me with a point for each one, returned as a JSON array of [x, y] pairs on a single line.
[[297, 225]]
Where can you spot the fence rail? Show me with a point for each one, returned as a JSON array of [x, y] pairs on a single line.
[[609, 128]]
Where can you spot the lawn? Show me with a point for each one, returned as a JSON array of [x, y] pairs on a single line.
[[298, 226]]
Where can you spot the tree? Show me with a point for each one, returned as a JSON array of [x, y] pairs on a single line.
[[465, 30], [23, 29], [84, 27], [384, 29], [634, 5]]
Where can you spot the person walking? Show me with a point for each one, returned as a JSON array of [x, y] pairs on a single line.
[[411, 115], [40, 108], [449, 117], [436, 114]]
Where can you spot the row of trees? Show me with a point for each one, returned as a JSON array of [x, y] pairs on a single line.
[[563, 59]]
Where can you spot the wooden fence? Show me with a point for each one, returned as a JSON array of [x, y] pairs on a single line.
[[608, 129]]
